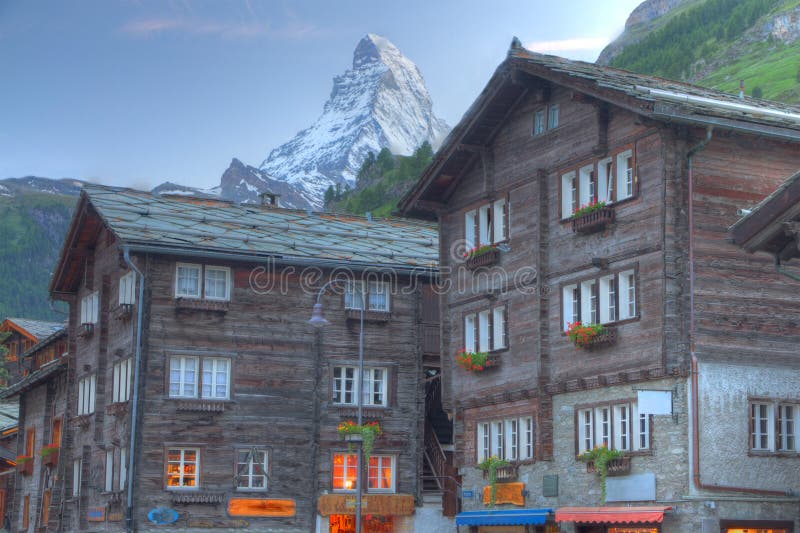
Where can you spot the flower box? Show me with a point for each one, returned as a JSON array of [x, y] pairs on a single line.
[[25, 465], [504, 473], [369, 316], [589, 336], [615, 467], [50, 458], [216, 306], [86, 330], [482, 258], [476, 362], [593, 221], [122, 311], [608, 337], [117, 408]]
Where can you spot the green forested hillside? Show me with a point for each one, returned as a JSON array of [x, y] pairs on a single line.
[[380, 183], [32, 227], [716, 43]]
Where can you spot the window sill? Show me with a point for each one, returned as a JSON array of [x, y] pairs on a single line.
[[244, 490], [122, 312], [593, 222], [768, 453], [486, 259], [369, 315], [189, 496], [117, 408], [194, 404], [86, 330], [614, 467], [198, 304], [348, 411], [83, 420]]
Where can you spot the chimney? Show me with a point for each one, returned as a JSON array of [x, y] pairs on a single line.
[[741, 88], [269, 199]]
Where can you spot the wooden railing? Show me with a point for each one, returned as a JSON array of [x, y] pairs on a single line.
[[434, 453]]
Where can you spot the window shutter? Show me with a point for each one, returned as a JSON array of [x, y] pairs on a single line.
[[499, 328], [391, 382], [484, 229], [470, 333], [499, 218], [470, 231]]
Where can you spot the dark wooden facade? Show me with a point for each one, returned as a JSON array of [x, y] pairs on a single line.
[[718, 300], [279, 399]]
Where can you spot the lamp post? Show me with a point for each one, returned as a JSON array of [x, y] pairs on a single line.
[[318, 321]]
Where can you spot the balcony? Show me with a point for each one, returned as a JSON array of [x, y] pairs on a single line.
[[593, 221], [483, 259]]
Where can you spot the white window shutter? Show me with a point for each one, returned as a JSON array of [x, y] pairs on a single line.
[[469, 229], [566, 195], [499, 221], [566, 303], [585, 176], [483, 331], [499, 325], [484, 229], [469, 333], [604, 299]]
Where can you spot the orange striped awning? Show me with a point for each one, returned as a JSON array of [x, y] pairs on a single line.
[[653, 514]]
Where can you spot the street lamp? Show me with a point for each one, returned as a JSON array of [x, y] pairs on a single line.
[[318, 321]]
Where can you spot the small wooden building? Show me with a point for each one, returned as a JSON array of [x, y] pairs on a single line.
[[202, 397]]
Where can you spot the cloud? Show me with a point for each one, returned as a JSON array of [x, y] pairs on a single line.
[[568, 45], [204, 27]]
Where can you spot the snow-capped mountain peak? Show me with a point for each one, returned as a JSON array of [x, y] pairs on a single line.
[[381, 102]]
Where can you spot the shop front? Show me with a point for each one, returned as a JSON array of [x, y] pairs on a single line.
[[614, 519], [380, 513], [756, 526], [507, 521]]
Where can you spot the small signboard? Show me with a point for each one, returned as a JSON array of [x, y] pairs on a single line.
[[96, 514], [550, 486], [115, 516], [633, 488], [467, 494], [654, 402]]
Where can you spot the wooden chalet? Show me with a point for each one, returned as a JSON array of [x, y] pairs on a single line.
[[575, 197], [42, 395], [202, 398], [21, 335]]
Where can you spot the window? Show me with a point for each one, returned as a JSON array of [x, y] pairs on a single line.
[[552, 117], [773, 426], [216, 283], [510, 439], [380, 473], [109, 486], [545, 117], [373, 386], [538, 122], [183, 466], [618, 426], [487, 224], [251, 469], [86, 392], [121, 381], [77, 467], [344, 471], [600, 300], [89, 308], [127, 289], [608, 180], [214, 377], [377, 296], [485, 331]]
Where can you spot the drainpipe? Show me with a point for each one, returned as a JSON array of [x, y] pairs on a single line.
[[698, 483], [135, 400]]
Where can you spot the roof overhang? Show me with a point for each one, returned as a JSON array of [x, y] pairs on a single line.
[[503, 517], [653, 514], [81, 237], [10, 325], [773, 226]]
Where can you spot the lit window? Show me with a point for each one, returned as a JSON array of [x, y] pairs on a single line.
[[344, 471], [214, 378], [380, 475], [183, 465], [373, 386], [251, 469]]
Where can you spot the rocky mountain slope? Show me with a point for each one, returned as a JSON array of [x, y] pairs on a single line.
[[715, 43], [382, 102]]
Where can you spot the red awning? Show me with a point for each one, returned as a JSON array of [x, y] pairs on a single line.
[[612, 515]]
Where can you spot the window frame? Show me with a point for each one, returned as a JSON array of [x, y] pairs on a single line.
[[366, 291], [90, 308], [87, 397], [357, 383], [775, 435], [393, 466], [197, 474], [482, 217], [251, 464], [121, 394], [346, 467], [475, 341], [77, 474], [202, 280], [501, 438], [599, 181], [543, 122], [596, 292], [127, 289], [592, 432], [199, 369]]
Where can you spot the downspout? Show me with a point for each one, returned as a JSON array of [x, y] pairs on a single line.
[[698, 483], [135, 400]]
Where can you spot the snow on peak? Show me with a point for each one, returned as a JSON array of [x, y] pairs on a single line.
[[381, 102]]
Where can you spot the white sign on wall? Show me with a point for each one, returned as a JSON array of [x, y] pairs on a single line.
[[654, 402]]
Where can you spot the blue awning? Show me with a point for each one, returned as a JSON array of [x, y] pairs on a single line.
[[503, 517]]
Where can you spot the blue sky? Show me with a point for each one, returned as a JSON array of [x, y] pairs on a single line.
[[134, 93]]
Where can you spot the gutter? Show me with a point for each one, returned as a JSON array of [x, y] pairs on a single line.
[[695, 386], [135, 401], [283, 260]]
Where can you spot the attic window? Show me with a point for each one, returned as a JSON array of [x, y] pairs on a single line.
[[545, 119]]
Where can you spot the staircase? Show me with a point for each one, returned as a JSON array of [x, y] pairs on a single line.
[[440, 480]]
